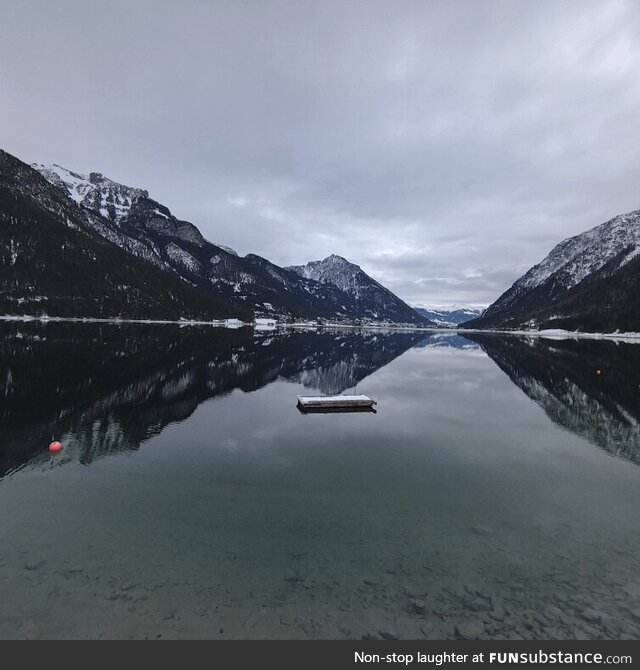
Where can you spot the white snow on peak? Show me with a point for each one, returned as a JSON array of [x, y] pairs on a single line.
[[94, 191], [229, 250], [334, 270], [113, 201]]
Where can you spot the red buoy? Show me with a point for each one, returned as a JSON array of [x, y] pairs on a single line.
[[55, 446]]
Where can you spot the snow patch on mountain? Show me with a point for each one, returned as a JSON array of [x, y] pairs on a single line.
[[179, 255], [114, 201], [229, 250], [94, 191]]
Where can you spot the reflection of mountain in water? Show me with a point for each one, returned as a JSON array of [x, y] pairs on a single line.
[[105, 388], [444, 340], [561, 376]]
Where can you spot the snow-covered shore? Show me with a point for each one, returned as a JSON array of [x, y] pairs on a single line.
[[271, 324], [559, 334], [78, 319], [258, 324]]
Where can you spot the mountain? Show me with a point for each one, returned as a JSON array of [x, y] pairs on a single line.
[[371, 299], [112, 200], [129, 218], [61, 259], [602, 408], [449, 316], [590, 282]]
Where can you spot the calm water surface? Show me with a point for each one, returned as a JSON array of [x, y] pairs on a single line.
[[495, 493]]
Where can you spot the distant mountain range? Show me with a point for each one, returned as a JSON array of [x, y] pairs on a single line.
[[87, 246], [590, 282], [449, 316]]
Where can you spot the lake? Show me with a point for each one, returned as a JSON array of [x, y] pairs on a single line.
[[495, 493]]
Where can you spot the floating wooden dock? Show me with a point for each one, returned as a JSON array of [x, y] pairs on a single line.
[[335, 403]]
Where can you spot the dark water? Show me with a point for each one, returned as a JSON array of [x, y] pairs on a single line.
[[496, 492]]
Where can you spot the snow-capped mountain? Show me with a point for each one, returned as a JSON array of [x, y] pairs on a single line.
[[263, 287], [128, 218], [335, 270], [589, 282], [450, 315], [116, 201], [107, 197], [58, 258], [371, 298]]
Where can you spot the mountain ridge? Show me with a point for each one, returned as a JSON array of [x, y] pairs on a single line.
[[452, 316], [61, 259], [587, 282], [129, 218], [370, 295]]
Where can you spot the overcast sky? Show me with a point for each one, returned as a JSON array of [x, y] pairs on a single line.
[[445, 147]]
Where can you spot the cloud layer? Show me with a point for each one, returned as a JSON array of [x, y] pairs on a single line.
[[443, 146]]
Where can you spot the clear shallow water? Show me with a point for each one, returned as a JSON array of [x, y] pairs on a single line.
[[494, 494]]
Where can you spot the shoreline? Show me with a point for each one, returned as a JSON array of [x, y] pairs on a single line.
[[219, 323], [114, 320], [558, 334], [554, 334]]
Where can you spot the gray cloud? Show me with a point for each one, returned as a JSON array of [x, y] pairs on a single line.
[[444, 147]]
